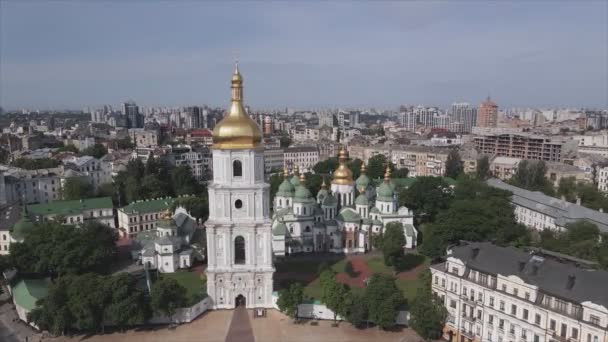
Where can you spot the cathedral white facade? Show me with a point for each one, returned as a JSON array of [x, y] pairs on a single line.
[[336, 221], [239, 236]]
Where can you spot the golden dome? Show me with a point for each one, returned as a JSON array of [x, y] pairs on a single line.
[[236, 130], [342, 175], [387, 174]]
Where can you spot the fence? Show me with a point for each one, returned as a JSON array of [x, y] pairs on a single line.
[[184, 315]]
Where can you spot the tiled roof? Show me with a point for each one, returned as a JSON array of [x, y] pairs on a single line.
[[70, 207]]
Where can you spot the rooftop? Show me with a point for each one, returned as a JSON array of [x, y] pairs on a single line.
[[28, 291], [564, 280], [148, 206], [562, 211], [70, 207], [9, 215]]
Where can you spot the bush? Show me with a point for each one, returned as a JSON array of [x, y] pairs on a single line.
[[348, 269], [408, 261]]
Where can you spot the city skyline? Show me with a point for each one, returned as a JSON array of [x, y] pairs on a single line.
[[304, 55]]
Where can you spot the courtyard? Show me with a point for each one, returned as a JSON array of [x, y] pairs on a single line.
[[214, 325]]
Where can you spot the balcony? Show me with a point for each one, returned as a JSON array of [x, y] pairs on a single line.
[[468, 334]]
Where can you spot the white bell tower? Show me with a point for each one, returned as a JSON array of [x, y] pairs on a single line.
[[239, 236]]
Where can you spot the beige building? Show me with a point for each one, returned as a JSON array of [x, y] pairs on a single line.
[[504, 167], [521, 145], [504, 294], [304, 157], [142, 137], [141, 216], [420, 160]]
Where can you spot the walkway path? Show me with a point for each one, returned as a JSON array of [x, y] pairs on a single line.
[[240, 327]]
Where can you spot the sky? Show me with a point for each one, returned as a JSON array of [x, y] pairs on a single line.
[[70, 54]]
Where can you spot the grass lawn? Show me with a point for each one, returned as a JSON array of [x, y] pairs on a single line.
[[194, 283], [376, 264], [409, 288]]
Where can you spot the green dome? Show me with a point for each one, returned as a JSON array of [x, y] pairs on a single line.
[[385, 190], [286, 187], [302, 192], [295, 181], [322, 194], [22, 226], [362, 181], [329, 200], [361, 200]]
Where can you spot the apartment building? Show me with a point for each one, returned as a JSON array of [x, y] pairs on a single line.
[[198, 159], [539, 211], [96, 171], [521, 145], [501, 294], [273, 159], [304, 157], [420, 160], [304, 135], [142, 215], [32, 186], [9, 216], [602, 178], [142, 137]]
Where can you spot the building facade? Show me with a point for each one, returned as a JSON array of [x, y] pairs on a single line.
[[142, 215], [520, 145], [504, 294], [239, 238], [76, 212], [487, 114], [303, 157]]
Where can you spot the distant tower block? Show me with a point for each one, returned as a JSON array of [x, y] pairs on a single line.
[[268, 125]]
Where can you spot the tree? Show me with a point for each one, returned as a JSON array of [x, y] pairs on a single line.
[[355, 166], [197, 206], [76, 188], [401, 173], [326, 166], [68, 148], [36, 164], [383, 299], [88, 298], [376, 166], [426, 196], [184, 182], [285, 141], [51, 248], [133, 191], [567, 189], [290, 298], [95, 151], [483, 168], [167, 296], [356, 309], [453, 165], [52, 312], [427, 316], [124, 143], [531, 175], [333, 294], [152, 187], [393, 242], [128, 305]]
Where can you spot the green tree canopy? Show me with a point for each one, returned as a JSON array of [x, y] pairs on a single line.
[[51, 248], [393, 242], [326, 166], [453, 165], [483, 168], [96, 151], [531, 175], [76, 188], [290, 298], [36, 164], [167, 296], [383, 299], [197, 206], [334, 293], [426, 196], [427, 316], [376, 166]]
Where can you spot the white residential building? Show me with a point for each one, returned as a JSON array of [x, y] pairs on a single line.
[[602, 178], [97, 172], [501, 294], [302, 157], [75, 212], [141, 216], [539, 211]]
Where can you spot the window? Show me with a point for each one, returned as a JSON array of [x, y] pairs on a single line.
[[537, 319], [237, 168], [515, 292], [452, 303], [594, 319], [501, 324], [564, 330], [436, 280], [502, 305], [526, 314], [527, 295], [491, 301], [480, 297], [504, 288], [238, 204], [552, 325], [560, 305], [536, 338], [513, 309], [239, 250], [491, 319], [512, 329], [442, 282], [574, 333]]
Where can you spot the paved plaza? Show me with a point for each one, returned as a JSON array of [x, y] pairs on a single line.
[[215, 325]]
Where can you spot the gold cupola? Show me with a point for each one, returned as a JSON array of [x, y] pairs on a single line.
[[236, 130], [342, 175]]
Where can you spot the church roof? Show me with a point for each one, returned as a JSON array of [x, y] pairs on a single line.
[[409, 230], [329, 200], [348, 215], [374, 210], [279, 229], [302, 192], [361, 200]]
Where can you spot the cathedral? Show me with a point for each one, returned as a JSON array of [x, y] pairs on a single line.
[[336, 221], [239, 233]]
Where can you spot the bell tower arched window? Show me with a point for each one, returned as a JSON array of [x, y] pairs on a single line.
[[239, 250], [237, 168]]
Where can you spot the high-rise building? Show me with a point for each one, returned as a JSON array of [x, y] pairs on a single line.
[[487, 115], [239, 234], [465, 115], [134, 118], [193, 117]]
